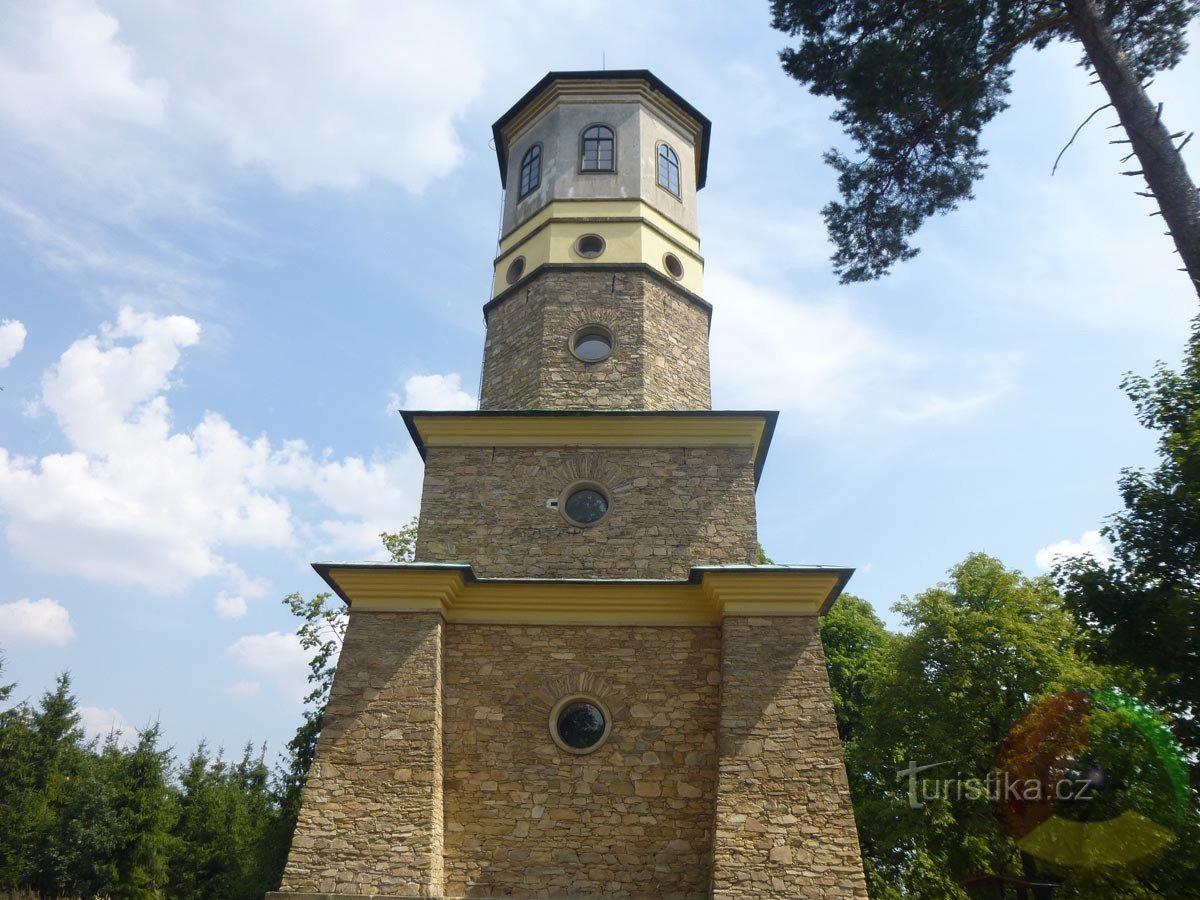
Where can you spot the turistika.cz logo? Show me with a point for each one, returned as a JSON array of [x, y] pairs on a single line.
[[1082, 779]]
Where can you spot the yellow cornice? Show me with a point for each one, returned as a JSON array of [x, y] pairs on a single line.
[[706, 599], [701, 429]]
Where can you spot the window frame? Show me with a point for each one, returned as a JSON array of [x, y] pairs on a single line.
[[612, 136], [584, 485], [673, 160], [527, 160], [558, 709]]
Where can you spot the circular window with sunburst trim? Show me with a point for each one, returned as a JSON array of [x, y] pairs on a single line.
[[580, 724], [584, 503], [592, 343]]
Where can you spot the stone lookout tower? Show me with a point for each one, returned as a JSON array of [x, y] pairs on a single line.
[[585, 686]]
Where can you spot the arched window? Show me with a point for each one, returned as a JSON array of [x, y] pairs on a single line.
[[531, 170], [596, 149], [668, 169]]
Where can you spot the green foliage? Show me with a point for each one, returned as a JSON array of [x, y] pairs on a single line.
[[1144, 609], [401, 545], [81, 819], [975, 653], [855, 643], [223, 838], [915, 82]]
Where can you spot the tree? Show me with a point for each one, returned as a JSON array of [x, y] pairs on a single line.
[[1144, 608], [221, 836], [856, 646], [60, 761], [18, 780], [916, 81], [855, 642], [978, 650]]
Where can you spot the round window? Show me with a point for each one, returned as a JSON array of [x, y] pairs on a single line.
[[515, 270], [585, 505], [590, 246], [592, 343], [579, 724], [673, 265]]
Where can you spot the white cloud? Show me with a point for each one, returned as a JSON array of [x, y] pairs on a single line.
[[245, 688], [1090, 543], [359, 100], [277, 657], [437, 392], [100, 723], [138, 501], [120, 117], [36, 622], [229, 607], [65, 70], [313, 94], [824, 361], [12, 339]]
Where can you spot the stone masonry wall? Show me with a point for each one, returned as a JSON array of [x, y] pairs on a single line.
[[371, 822], [784, 823], [512, 350], [632, 819], [672, 508], [677, 367], [660, 352]]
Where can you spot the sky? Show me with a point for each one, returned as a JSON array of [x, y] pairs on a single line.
[[236, 238]]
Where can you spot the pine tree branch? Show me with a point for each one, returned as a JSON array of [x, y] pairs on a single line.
[[1075, 135]]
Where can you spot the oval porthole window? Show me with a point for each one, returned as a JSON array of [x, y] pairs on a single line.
[[584, 504], [579, 724], [515, 270], [592, 343], [590, 246], [673, 266]]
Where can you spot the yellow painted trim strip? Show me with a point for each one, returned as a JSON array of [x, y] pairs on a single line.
[[720, 594], [586, 209], [591, 431], [591, 224]]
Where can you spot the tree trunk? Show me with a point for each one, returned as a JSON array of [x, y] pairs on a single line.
[[1162, 166]]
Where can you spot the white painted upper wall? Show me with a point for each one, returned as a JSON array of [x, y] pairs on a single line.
[[639, 129]]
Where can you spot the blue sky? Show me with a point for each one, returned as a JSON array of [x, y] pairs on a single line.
[[238, 237]]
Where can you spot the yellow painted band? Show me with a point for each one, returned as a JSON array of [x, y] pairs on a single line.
[[382, 589], [627, 241], [580, 208], [590, 431]]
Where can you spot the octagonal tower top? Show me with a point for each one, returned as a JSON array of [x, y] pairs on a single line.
[[620, 141]]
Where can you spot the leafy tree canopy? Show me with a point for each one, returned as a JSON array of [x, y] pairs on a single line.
[[1144, 608]]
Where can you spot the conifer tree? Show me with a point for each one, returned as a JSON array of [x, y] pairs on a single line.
[[917, 80]]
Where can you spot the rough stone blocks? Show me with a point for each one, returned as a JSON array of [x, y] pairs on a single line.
[[660, 353], [784, 821], [671, 508], [372, 816]]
